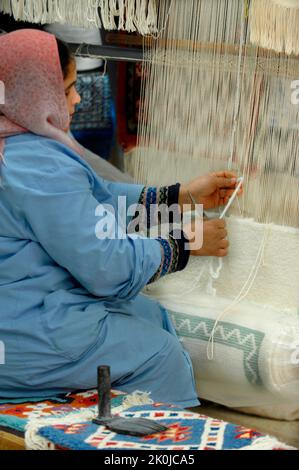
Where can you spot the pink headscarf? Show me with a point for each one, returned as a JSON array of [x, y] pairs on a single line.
[[34, 90]]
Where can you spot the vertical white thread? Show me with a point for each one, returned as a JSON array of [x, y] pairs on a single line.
[[242, 294], [132, 15]]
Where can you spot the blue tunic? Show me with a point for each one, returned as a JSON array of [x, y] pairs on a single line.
[[70, 301]]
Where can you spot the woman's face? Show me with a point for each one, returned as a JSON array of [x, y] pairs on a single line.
[[71, 94]]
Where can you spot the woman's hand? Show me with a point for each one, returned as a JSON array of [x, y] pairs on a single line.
[[214, 238], [211, 190]]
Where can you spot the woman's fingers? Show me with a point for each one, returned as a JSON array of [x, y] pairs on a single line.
[[228, 183], [222, 253], [224, 244], [226, 174], [221, 224], [222, 234], [226, 193], [215, 241]]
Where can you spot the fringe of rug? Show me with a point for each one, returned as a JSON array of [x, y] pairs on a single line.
[[129, 15], [274, 24], [267, 443], [35, 442]]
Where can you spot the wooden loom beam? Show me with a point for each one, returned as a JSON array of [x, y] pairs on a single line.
[[133, 48]]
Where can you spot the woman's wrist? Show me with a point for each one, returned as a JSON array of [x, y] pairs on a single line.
[[182, 243], [184, 197], [175, 254]]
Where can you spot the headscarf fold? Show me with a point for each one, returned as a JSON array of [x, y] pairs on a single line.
[[34, 96]]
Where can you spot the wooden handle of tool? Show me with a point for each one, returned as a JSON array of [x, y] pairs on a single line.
[[104, 391]]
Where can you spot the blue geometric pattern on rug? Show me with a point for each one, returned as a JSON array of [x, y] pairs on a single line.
[[186, 431]]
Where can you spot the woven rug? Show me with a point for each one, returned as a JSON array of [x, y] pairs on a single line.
[[16, 415], [186, 431], [93, 124], [65, 422], [95, 108]]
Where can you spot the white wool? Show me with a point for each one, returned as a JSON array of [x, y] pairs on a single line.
[[133, 15], [276, 281], [274, 24]]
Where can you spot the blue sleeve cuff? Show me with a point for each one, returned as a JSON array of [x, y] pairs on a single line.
[[175, 255]]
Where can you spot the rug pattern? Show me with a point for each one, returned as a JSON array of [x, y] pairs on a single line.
[[16, 416], [65, 422], [186, 431]]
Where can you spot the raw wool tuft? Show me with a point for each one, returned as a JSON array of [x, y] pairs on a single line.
[[136, 399], [129, 15], [274, 24]]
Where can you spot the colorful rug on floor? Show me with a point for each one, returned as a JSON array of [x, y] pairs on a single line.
[[16, 415], [186, 431], [65, 422]]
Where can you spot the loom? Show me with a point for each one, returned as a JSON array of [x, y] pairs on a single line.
[[219, 93]]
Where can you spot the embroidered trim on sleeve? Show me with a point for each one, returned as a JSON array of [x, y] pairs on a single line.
[[150, 196], [175, 256]]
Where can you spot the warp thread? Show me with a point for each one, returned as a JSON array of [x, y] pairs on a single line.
[[243, 292], [274, 25], [129, 15]]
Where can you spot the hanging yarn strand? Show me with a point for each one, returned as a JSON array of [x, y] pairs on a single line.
[[275, 25], [238, 88], [130, 15], [242, 294]]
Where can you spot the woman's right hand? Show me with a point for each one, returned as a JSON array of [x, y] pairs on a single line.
[[215, 241]]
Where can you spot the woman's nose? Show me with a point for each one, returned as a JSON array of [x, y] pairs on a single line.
[[77, 98]]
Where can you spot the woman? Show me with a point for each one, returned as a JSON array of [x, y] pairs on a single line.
[[69, 300]]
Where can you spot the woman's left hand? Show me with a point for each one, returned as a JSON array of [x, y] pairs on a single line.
[[211, 190]]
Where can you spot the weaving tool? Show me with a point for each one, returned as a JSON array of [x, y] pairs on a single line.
[[232, 198], [128, 426]]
